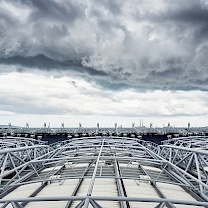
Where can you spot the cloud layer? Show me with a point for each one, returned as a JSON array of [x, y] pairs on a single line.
[[37, 94], [157, 45]]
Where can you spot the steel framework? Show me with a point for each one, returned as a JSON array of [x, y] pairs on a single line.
[[15, 157], [191, 156], [92, 159]]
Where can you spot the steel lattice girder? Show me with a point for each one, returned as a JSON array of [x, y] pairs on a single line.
[[194, 162], [15, 160], [112, 152]]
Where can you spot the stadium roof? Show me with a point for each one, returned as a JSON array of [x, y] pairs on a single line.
[[102, 172]]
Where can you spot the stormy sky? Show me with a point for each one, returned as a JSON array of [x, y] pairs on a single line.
[[104, 61]]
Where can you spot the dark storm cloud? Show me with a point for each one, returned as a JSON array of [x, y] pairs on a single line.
[[183, 17], [190, 13], [46, 63], [139, 44], [66, 12]]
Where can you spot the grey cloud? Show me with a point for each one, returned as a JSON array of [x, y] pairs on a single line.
[[184, 16], [183, 13], [112, 6], [132, 44], [114, 85], [21, 107], [7, 19], [46, 63], [65, 11]]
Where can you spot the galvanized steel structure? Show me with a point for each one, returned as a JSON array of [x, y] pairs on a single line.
[[103, 171]]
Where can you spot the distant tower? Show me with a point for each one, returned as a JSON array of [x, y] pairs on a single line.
[[151, 124], [168, 124], [80, 125], [98, 126], [10, 125], [44, 125], [133, 125], [27, 125], [62, 125], [116, 130], [188, 125]]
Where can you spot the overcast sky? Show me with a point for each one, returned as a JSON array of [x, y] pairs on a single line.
[[104, 61]]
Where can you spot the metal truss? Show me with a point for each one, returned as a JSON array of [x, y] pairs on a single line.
[[190, 155], [15, 157], [103, 157], [189, 142]]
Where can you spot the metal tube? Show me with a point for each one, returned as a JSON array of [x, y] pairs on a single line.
[[78, 185], [21, 148], [104, 198], [89, 192], [198, 172], [119, 185], [186, 149]]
